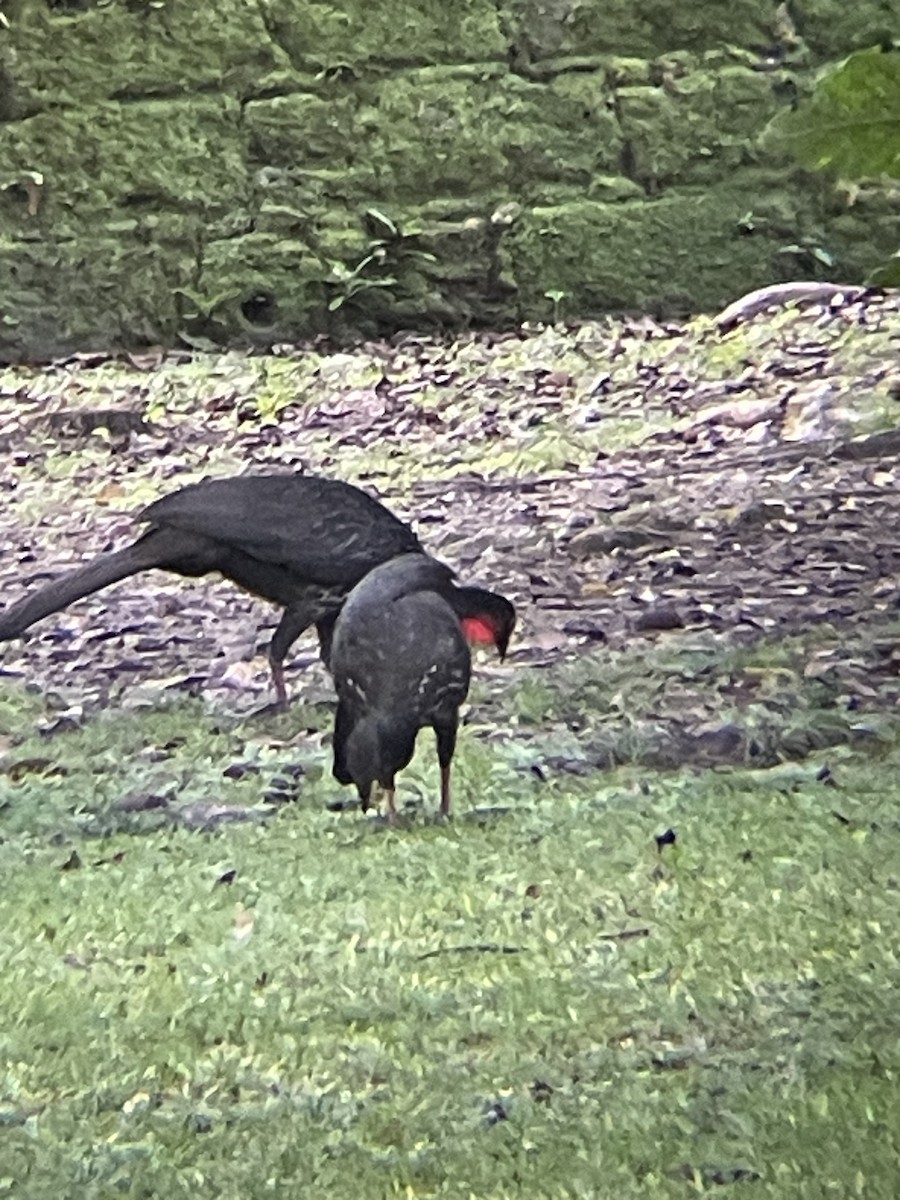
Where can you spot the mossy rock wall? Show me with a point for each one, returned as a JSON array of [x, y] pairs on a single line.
[[254, 173]]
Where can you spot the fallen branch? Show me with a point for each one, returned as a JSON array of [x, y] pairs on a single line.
[[779, 295]]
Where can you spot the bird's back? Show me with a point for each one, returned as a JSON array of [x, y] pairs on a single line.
[[323, 530], [398, 643]]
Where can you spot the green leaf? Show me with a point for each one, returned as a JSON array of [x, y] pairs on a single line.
[[851, 124], [887, 275], [377, 218]]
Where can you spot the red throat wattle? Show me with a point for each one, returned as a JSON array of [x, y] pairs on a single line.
[[479, 631]]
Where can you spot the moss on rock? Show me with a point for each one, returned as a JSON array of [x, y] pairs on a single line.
[[166, 172], [60, 57], [669, 257], [105, 159]]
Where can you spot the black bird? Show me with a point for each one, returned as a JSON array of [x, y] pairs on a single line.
[[401, 662], [299, 541]]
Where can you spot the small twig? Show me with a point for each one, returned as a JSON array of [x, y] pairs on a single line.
[[624, 934], [478, 947]]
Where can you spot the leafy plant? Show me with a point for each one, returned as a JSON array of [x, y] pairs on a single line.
[[556, 298], [809, 252], [388, 251], [850, 127]]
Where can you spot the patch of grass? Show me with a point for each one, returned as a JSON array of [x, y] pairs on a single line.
[[529, 1003], [654, 704]]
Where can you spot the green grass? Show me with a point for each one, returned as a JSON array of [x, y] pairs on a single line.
[[442, 1010]]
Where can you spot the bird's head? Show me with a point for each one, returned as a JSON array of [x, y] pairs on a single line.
[[378, 746], [487, 618]]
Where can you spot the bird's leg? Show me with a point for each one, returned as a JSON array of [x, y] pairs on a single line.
[[277, 669], [391, 806], [293, 622], [446, 744], [445, 791], [325, 630], [280, 703]]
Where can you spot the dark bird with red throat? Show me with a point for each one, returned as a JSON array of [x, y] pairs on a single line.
[[299, 541], [401, 662]]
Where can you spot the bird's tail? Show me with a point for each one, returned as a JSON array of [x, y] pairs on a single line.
[[100, 573]]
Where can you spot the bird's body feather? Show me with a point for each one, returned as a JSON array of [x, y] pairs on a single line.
[[400, 663], [298, 541]]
